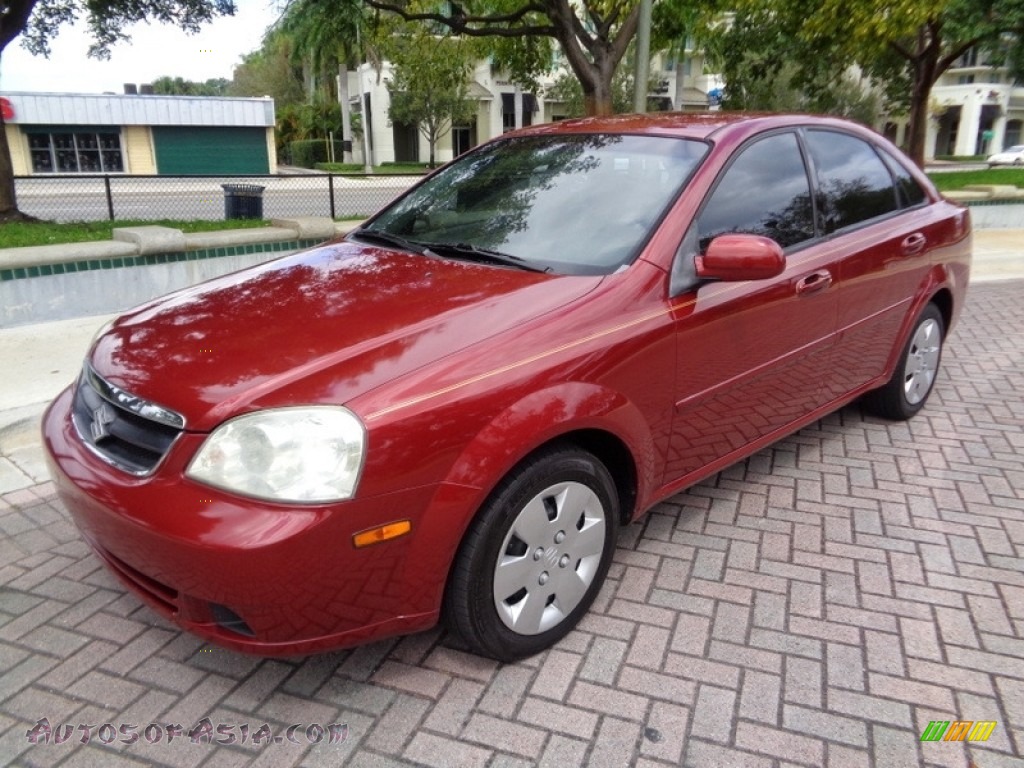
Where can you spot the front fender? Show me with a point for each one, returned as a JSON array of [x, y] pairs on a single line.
[[574, 410], [548, 415]]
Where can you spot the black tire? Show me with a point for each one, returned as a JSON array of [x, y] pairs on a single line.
[[552, 523], [907, 391]]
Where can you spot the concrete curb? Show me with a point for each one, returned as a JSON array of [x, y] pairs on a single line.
[[139, 241]]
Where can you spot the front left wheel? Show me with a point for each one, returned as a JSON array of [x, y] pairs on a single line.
[[536, 555]]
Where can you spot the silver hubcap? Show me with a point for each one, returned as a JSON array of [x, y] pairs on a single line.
[[922, 362], [549, 558]]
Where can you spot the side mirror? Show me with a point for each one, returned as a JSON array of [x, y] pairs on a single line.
[[741, 257]]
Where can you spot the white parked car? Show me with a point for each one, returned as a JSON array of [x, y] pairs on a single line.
[[1010, 156]]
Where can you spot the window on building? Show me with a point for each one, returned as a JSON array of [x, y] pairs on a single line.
[[508, 110], [76, 151], [1013, 133], [969, 59], [965, 79]]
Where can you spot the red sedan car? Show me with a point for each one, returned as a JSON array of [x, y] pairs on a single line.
[[451, 411]]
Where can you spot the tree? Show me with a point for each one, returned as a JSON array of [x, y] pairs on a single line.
[[429, 81], [178, 86], [567, 91], [924, 38], [269, 71], [40, 20], [676, 23], [593, 34], [767, 68], [330, 38]]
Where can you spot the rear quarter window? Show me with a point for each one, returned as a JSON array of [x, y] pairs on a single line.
[[910, 191]]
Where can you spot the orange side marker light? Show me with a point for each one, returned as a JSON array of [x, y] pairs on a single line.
[[381, 533]]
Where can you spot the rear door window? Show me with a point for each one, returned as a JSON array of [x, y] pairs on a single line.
[[854, 184]]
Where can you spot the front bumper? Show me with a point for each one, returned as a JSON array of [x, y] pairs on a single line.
[[253, 576]]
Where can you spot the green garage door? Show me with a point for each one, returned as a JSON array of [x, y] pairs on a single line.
[[214, 151]]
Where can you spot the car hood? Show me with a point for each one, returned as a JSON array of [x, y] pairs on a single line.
[[322, 326]]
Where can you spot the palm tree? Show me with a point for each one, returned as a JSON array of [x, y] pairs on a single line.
[[329, 38]]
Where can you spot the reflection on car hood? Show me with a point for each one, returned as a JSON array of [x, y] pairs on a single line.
[[320, 326]]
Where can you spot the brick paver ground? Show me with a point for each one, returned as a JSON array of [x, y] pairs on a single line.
[[816, 605]]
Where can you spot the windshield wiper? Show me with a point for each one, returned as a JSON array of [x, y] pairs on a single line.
[[376, 236], [476, 253]]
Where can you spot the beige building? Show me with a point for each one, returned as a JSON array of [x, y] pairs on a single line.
[[61, 133]]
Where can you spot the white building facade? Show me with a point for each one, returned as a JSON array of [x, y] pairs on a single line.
[[503, 106], [975, 110]]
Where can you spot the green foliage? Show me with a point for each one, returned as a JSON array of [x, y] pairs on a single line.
[[430, 81], [567, 90], [269, 71], [106, 19], [524, 60], [309, 153], [784, 89], [593, 35], [569, 93], [297, 123], [178, 86], [906, 45], [324, 37], [947, 181], [768, 67], [395, 169], [17, 234]]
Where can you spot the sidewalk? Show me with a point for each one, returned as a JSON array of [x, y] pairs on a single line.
[[822, 604], [49, 356]]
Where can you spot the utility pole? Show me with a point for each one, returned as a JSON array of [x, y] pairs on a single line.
[[643, 57]]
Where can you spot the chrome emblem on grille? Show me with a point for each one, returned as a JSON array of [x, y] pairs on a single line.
[[102, 418]]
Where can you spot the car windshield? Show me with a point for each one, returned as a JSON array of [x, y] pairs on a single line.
[[575, 203]]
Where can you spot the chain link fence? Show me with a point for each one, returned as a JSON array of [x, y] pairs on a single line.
[[82, 197]]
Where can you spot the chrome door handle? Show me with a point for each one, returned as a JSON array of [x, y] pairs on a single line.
[[913, 244], [814, 282]]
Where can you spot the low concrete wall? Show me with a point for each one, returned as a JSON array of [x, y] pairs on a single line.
[[997, 214], [993, 206], [47, 283]]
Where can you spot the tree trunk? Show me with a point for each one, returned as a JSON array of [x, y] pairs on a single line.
[[8, 200], [597, 92], [926, 70], [917, 126], [677, 102], [595, 67], [346, 108]]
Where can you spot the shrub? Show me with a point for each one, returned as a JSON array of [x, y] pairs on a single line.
[[308, 152]]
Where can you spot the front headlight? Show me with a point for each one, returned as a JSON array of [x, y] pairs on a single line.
[[304, 454]]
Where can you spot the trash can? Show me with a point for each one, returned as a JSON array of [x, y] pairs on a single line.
[[243, 201]]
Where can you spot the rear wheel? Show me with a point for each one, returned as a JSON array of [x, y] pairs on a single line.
[[907, 391], [535, 558]]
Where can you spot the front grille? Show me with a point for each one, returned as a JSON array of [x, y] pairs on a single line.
[[126, 431]]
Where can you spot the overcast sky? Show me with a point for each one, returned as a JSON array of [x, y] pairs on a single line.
[[154, 50]]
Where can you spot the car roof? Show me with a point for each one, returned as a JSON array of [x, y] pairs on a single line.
[[695, 125]]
